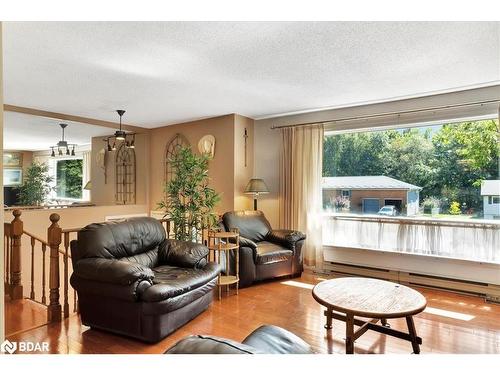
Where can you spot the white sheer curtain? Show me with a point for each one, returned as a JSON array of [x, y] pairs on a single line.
[[301, 168]]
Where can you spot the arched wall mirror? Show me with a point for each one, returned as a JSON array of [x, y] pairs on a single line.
[[125, 175]]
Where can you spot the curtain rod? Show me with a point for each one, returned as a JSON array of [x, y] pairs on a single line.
[[384, 114]]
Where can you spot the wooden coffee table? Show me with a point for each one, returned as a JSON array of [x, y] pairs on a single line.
[[349, 297]]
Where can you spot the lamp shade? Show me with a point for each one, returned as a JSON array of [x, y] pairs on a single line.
[[256, 185], [88, 186]]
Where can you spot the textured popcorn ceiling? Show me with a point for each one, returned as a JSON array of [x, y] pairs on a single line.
[[169, 72]]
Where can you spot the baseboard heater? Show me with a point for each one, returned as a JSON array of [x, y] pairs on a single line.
[[491, 292]]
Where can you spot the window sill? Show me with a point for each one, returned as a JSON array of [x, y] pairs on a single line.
[[414, 220]]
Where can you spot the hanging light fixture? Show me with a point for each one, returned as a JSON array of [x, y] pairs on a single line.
[[63, 146], [120, 135]]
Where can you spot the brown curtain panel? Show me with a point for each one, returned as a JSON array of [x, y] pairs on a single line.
[[301, 165]]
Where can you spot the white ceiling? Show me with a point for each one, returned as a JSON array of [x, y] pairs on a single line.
[[33, 133], [169, 72]]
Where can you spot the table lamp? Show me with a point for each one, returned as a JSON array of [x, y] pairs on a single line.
[[256, 186]]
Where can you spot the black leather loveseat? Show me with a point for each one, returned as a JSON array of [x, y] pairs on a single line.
[[264, 252], [266, 339], [133, 281]]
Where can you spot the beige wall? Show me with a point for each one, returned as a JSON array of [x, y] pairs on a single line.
[[37, 221], [2, 316], [267, 141], [242, 173], [103, 190], [266, 166], [221, 167]]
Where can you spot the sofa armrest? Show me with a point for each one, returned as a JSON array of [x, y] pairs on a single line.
[[276, 340], [184, 254], [129, 293], [112, 271], [203, 344], [286, 237]]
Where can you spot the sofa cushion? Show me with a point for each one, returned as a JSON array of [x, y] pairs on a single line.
[[183, 254], [276, 340], [171, 281], [147, 259], [120, 239], [251, 224], [268, 252]]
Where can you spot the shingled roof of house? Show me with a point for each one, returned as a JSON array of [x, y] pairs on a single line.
[[367, 183]]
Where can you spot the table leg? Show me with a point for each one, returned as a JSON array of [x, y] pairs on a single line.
[[349, 334], [413, 334], [384, 322], [328, 314]]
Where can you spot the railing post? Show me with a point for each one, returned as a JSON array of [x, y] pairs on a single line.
[[54, 234], [16, 287]]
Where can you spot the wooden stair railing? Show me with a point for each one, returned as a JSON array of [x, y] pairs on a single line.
[[200, 235], [13, 233], [12, 251], [67, 239]]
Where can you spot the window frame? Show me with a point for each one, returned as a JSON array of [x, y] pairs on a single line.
[[53, 173]]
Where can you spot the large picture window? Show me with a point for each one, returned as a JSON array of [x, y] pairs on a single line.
[[428, 190], [425, 171], [69, 174]]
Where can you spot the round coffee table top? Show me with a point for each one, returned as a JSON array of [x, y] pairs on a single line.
[[370, 298]]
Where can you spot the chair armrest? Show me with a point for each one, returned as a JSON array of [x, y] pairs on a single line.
[[184, 254], [285, 237], [112, 271]]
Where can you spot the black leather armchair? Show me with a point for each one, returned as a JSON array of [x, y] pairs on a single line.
[[266, 339], [133, 281], [264, 253]]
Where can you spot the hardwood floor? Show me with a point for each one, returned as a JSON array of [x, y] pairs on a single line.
[[23, 315], [452, 323]]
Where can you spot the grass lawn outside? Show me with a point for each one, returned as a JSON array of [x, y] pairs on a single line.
[[450, 216]]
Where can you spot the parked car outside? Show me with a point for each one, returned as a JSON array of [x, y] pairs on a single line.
[[388, 211]]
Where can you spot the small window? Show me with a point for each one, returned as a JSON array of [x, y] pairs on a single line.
[[69, 178], [346, 193], [496, 199]]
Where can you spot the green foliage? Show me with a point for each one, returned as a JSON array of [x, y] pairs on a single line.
[[69, 178], [408, 157], [190, 201], [36, 185], [449, 161], [455, 208], [429, 203]]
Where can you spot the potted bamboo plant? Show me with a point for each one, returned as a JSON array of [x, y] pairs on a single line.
[[189, 201]]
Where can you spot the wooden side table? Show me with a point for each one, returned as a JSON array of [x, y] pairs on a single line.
[[219, 242]]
